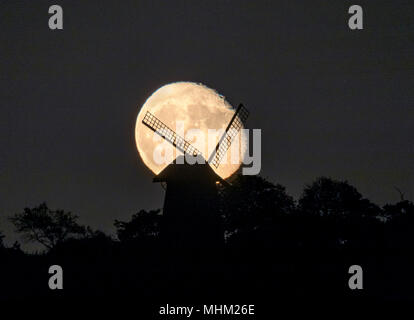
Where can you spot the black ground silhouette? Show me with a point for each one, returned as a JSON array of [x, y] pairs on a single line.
[[274, 248]]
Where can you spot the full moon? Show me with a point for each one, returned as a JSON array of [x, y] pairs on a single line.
[[191, 106]]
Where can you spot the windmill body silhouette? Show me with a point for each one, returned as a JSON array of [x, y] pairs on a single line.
[[191, 214]]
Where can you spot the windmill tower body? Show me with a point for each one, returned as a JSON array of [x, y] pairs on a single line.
[[191, 213]]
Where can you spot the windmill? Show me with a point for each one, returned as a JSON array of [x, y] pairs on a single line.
[[190, 215]]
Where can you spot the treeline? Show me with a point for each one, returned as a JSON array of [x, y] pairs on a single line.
[[254, 211], [295, 249]]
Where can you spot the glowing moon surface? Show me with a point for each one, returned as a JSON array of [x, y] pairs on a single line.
[[191, 106]]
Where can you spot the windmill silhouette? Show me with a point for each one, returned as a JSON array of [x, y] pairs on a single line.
[[190, 214]]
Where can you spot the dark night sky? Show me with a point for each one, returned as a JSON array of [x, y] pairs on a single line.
[[330, 101]]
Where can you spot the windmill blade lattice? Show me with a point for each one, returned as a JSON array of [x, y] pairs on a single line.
[[233, 128], [164, 131]]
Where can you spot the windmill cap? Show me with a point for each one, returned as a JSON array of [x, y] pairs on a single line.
[[180, 170]]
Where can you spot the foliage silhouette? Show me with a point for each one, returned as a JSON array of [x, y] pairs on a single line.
[[328, 197], [253, 207], [45, 226], [1, 240], [298, 250], [335, 215], [144, 225], [93, 244], [400, 223]]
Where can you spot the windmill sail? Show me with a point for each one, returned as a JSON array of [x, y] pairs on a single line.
[[164, 131], [233, 128]]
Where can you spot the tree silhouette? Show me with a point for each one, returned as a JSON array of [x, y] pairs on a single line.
[[401, 210], [301, 248], [45, 226], [336, 214], [400, 223], [144, 225], [328, 197], [92, 244], [1, 240], [254, 206]]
